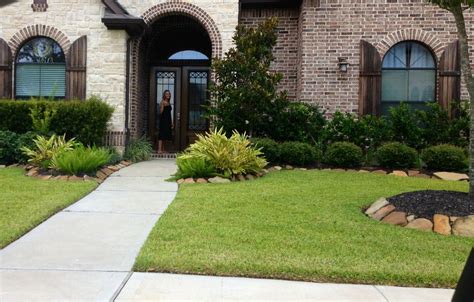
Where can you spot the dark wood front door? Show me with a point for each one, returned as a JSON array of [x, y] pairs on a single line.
[[188, 86]]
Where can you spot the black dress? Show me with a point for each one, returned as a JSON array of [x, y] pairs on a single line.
[[164, 133]]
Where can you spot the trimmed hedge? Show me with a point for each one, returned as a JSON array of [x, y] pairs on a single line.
[[396, 155], [344, 155], [445, 157], [84, 120], [299, 154], [270, 148]]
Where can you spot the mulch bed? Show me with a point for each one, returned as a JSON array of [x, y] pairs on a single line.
[[427, 203]]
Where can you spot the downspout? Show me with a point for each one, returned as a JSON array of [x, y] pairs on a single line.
[[127, 93]]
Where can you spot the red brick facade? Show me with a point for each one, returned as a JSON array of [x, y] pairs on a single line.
[[327, 30]]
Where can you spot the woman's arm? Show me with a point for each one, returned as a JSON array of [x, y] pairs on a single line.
[[161, 107]]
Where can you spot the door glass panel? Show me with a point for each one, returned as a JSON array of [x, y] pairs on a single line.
[[197, 98], [165, 80]]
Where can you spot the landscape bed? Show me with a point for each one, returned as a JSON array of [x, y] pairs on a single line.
[[302, 225]]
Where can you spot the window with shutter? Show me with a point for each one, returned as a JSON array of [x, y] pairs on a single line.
[[5, 70], [40, 70]]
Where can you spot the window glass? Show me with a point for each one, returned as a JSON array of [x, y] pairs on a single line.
[[188, 55], [40, 69], [408, 75]]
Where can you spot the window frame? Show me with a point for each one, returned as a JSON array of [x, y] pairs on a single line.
[[16, 64], [408, 69]]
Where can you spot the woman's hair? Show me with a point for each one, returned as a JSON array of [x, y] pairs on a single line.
[[164, 94]]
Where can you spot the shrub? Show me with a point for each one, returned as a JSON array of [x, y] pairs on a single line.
[[445, 157], [195, 167], [84, 120], [11, 144], [367, 132], [138, 150], [270, 148], [82, 160], [404, 126], [46, 149], [8, 147], [230, 156], [396, 155], [298, 122], [343, 154], [115, 157], [299, 154]]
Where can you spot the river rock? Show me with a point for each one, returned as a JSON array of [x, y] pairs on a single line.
[[399, 173], [218, 180]]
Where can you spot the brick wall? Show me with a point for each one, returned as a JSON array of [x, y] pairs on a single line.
[[286, 50], [333, 28]]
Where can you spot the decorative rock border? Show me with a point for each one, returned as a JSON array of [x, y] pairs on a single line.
[[382, 210], [400, 173], [100, 176]]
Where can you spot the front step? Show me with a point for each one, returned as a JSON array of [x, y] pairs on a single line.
[[163, 156]]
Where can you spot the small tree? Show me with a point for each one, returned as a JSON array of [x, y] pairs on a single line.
[[245, 95], [457, 7]]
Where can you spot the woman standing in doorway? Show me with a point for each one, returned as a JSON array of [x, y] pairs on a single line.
[[166, 123]]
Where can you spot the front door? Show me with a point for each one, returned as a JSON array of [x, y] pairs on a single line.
[[188, 86]]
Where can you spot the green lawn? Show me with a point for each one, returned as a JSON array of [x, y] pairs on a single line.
[[26, 202], [302, 225]]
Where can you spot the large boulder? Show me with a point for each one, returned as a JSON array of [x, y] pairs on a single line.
[[464, 226]]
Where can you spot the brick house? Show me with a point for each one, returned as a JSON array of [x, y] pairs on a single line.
[[357, 56]]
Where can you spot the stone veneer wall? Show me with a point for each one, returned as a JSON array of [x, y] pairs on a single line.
[[333, 28], [106, 50], [286, 50]]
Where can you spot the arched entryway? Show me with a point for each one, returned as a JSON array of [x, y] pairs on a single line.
[[173, 54]]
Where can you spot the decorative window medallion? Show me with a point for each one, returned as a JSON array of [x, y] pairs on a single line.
[[39, 5]]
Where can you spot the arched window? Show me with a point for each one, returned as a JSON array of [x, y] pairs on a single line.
[[408, 75], [40, 69]]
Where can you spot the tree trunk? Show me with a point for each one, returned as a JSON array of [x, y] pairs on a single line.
[[469, 80]]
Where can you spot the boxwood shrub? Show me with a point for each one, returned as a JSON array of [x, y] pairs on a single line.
[[344, 155], [445, 157], [270, 148], [396, 156], [299, 154], [84, 120], [10, 145]]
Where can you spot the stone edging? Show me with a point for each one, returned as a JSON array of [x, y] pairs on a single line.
[[100, 176], [382, 210]]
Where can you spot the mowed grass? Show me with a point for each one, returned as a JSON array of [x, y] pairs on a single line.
[[302, 225], [26, 202]]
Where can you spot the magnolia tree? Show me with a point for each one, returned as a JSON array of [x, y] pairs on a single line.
[[457, 8]]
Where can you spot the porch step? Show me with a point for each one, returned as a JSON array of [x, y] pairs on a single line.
[[163, 156]]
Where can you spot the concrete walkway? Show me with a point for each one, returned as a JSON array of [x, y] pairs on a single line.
[[86, 253]]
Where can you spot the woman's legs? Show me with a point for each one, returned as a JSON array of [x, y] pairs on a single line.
[[160, 146]]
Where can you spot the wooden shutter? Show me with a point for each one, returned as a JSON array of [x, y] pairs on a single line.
[[370, 79], [450, 75], [5, 70], [76, 70]]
